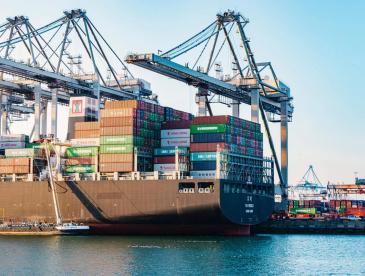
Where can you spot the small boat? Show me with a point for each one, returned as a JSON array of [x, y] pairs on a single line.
[[72, 228]]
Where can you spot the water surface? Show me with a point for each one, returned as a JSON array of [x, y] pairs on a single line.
[[111, 255]]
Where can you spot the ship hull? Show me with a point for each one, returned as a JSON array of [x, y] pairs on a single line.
[[139, 206]]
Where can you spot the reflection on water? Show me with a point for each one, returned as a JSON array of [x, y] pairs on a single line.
[[101, 255]]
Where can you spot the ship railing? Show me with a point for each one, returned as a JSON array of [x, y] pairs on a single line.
[[155, 175], [244, 168], [14, 177]]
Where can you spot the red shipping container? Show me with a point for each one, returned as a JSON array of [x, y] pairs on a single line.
[[348, 204], [181, 124], [169, 159], [87, 160], [222, 119], [360, 212], [210, 147]]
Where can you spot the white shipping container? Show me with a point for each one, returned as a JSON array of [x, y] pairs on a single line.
[[12, 145], [83, 106], [203, 174], [175, 133], [23, 152], [85, 142], [170, 167], [175, 142], [13, 138]]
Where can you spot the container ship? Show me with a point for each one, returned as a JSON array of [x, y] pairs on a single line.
[[142, 168]]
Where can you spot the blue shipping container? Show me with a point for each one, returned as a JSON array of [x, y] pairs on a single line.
[[170, 151], [203, 165], [210, 138], [203, 156]]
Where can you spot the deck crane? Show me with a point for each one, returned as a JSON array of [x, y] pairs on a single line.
[[45, 75], [247, 86]]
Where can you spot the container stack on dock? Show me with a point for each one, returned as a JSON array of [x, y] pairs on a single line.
[[175, 136], [129, 129], [211, 134]]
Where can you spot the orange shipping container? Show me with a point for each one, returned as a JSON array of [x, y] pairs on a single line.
[[116, 121], [122, 130], [14, 169], [116, 158], [122, 104], [118, 112], [15, 161], [87, 125], [116, 167], [360, 212], [87, 134], [21, 169]]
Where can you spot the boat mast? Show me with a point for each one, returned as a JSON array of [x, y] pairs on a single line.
[[53, 188]]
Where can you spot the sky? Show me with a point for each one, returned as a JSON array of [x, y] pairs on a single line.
[[316, 48]]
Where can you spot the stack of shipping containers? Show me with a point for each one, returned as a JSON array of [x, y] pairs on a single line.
[[175, 135], [22, 161], [223, 133], [129, 128], [84, 131], [82, 159], [83, 109]]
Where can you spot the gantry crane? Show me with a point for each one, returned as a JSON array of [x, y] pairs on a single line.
[[247, 85], [27, 86]]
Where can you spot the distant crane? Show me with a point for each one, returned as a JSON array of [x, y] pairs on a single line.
[[309, 186]]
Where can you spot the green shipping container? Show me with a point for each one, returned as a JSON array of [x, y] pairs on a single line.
[[213, 128], [310, 211], [116, 148], [33, 145], [80, 169], [122, 140], [81, 151], [203, 156], [341, 210]]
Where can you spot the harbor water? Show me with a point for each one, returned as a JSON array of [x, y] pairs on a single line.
[[184, 255]]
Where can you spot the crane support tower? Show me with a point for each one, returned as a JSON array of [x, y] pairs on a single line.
[[247, 85]]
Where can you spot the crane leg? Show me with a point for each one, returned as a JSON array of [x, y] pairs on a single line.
[[4, 114], [37, 112], [284, 141], [255, 101], [235, 108], [44, 118], [201, 100], [54, 113]]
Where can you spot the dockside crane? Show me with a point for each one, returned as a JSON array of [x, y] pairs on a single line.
[[44, 74], [247, 85]]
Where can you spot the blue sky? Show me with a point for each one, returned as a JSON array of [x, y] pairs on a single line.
[[316, 47]]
